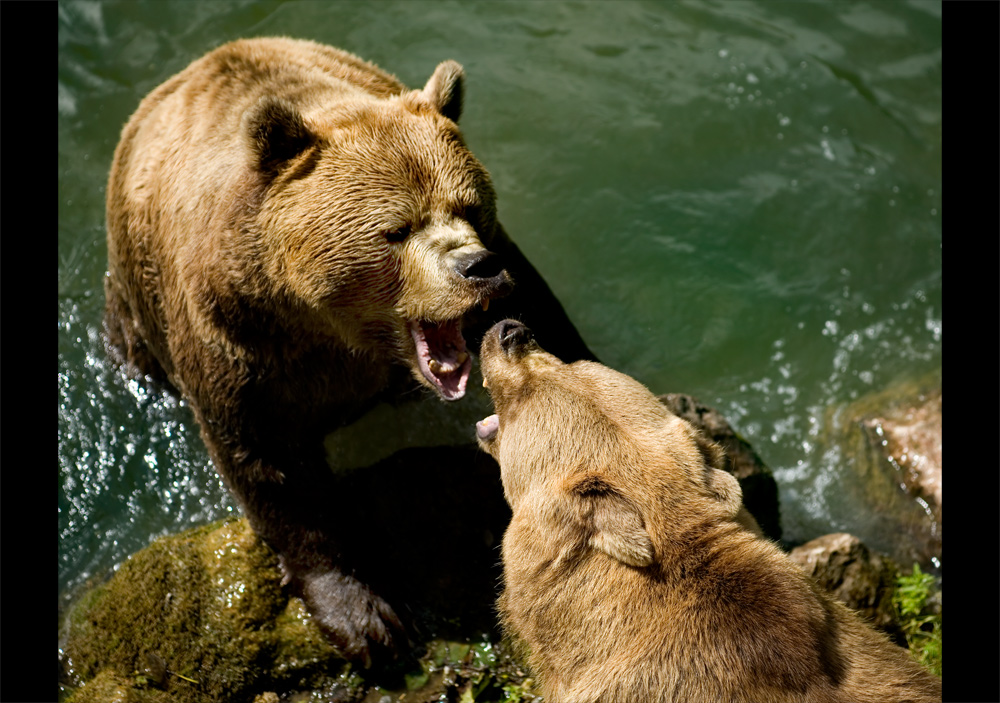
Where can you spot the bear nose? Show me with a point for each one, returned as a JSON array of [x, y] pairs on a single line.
[[511, 333], [480, 266]]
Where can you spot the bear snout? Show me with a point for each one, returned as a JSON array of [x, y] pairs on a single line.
[[484, 268], [512, 334]]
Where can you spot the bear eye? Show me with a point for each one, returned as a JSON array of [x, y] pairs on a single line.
[[398, 235]]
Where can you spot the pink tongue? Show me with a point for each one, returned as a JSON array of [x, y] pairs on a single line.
[[442, 356], [486, 429]]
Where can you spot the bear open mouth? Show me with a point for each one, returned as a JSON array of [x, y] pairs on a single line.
[[442, 356]]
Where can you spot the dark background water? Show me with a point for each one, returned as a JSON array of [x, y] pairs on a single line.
[[740, 201]]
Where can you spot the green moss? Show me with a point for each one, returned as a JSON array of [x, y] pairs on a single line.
[[920, 622], [190, 617], [301, 657], [201, 617]]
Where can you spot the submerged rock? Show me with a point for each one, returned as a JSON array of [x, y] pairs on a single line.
[[910, 437], [890, 442]]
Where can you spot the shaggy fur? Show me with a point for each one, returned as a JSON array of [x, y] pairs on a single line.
[[627, 573], [293, 234]]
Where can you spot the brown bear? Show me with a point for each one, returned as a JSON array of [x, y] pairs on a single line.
[[292, 235], [627, 575]]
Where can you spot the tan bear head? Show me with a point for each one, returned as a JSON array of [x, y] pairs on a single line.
[[591, 438], [374, 221]]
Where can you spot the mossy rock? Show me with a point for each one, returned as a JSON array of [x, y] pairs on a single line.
[[202, 616], [193, 617]]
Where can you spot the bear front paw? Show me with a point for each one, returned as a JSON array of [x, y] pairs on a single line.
[[358, 622]]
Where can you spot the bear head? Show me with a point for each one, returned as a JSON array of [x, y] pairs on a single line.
[[585, 436], [372, 222]]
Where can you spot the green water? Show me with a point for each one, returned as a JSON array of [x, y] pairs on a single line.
[[741, 201]]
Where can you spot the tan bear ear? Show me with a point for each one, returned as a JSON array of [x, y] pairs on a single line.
[[445, 88], [726, 490], [614, 524], [720, 482], [276, 132], [712, 453]]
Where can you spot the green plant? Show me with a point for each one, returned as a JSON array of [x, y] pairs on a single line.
[[517, 693], [921, 626]]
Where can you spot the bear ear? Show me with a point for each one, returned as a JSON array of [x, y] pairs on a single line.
[[445, 88], [726, 489], [275, 131], [613, 523], [721, 484], [712, 453]]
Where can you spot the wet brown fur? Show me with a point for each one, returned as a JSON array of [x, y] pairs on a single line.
[[627, 573], [276, 213]]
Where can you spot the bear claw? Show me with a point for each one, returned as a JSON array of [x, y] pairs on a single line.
[[362, 625]]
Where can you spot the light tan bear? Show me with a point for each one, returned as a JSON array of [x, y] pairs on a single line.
[[627, 574], [292, 235]]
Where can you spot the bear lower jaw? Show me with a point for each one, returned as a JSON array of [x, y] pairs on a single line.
[[442, 357]]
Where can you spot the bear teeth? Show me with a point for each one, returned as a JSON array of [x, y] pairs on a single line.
[[441, 356], [441, 367]]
